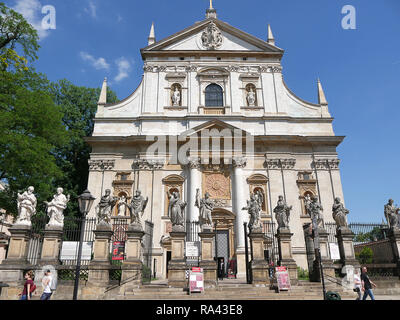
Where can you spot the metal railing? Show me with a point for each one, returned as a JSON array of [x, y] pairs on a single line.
[[269, 230]]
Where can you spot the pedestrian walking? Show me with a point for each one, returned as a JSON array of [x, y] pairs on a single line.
[[367, 284], [29, 287], [357, 284], [46, 284]]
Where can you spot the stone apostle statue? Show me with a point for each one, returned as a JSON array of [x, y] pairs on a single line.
[[26, 204], [136, 208], [206, 206], [251, 98], [56, 207], [392, 215], [307, 202], [105, 206], [282, 213], [339, 213], [176, 212], [254, 208], [122, 206], [315, 208], [176, 97]]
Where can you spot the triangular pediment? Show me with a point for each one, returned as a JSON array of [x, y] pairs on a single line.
[[218, 125], [203, 35]]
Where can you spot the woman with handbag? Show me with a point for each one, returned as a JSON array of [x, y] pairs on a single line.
[[29, 287]]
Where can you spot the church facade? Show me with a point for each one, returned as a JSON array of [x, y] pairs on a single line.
[[213, 113]]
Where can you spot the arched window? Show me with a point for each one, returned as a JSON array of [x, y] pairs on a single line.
[[214, 96]]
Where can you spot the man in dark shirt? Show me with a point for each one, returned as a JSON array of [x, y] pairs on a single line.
[[367, 285]]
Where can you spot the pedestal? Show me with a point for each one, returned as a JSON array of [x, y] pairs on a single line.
[[99, 266], [177, 264], [346, 249], [258, 265], [394, 237], [132, 265], [18, 246], [284, 237], [207, 262], [51, 246]]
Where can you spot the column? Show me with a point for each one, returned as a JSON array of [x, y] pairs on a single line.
[[346, 249], [207, 262], [177, 264], [193, 184], [285, 253], [100, 265], [132, 265], [51, 245], [259, 266], [238, 202]]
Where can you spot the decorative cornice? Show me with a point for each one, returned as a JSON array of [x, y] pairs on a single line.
[[194, 163], [101, 165], [233, 68], [191, 68], [148, 164], [270, 69], [280, 163], [325, 164]]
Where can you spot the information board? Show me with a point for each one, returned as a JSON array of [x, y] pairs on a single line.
[[282, 277], [334, 249], [192, 249], [118, 250], [69, 250], [196, 282]]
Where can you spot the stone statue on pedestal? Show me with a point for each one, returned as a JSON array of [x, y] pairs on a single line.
[[282, 213], [176, 212], [56, 207], [26, 204], [137, 206], [307, 202], [105, 206], [176, 97], [392, 215], [315, 208], [254, 208], [206, 206], [339, 213], [122, 206], [251, 98]]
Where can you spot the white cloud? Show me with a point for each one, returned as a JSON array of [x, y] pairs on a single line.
[[32, 12], [124, 67], [92, 10], [99, 63]]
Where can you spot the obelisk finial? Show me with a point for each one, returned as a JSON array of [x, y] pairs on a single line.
[[211, 7]]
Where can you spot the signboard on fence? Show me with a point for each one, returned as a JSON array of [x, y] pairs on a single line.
[[282, 277], [192, 249], [118, 250], [196, 282], [334, 250], [69, 250]]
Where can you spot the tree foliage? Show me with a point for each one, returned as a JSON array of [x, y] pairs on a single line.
[[375, 234], [16, 34], [365, 256]]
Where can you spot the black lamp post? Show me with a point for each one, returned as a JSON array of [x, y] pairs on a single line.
[[318, 256], [85, 201]]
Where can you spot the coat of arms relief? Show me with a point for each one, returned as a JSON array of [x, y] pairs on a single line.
[[212, 37]]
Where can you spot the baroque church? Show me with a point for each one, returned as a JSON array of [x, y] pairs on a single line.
[[213, 77]]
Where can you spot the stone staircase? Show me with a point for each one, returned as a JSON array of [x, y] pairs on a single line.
[[237, 290]]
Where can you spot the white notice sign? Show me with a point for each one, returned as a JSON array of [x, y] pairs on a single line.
[[69, 250], [192, 249], [334, 249]]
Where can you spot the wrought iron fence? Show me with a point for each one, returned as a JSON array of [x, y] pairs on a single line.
[[36, 238], [70, 240], [363, 232], [272, 249]]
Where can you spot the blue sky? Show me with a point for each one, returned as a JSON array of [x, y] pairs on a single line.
[[359, 69]]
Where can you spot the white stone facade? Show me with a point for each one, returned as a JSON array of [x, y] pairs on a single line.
[[282, 125]]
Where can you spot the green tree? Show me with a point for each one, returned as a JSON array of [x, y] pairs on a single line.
[[78, 105], [16, 34], [375, 234], [365, 256], [31, 130]]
